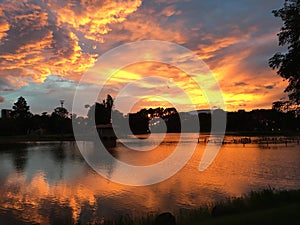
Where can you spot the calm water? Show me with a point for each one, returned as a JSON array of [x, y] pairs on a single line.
[[50, 183]]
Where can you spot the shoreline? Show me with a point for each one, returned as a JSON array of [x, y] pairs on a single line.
[[70, 137], [35, 138]]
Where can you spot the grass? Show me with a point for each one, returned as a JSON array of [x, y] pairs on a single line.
[[281, 215], [265, 207]]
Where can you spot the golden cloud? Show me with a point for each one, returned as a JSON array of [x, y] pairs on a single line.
[[4, 26], [93, 17], [155, 84], [43, 38], [242, 87], [39, 38]]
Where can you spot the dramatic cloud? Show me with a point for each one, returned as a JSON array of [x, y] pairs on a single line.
[[92, 18], [43, 38], [39, 39], [4, 26]]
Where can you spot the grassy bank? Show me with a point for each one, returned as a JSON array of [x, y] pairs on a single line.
[[263, 207]]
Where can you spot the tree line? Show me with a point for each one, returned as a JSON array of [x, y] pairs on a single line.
[[255, 121], [22, 122]]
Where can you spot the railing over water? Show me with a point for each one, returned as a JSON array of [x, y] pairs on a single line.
[[252, 140]]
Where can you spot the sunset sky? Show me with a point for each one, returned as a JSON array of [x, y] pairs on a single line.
[[47, 45]]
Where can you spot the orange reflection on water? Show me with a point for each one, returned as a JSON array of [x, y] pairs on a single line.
[[65, 188]]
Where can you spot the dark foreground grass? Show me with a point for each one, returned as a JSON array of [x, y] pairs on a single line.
[[266, 207], [280, 215]]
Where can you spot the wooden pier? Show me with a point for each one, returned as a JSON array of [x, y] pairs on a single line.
[[264, 141]]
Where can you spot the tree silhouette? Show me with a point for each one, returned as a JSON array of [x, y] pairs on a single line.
[[60, 121], [288, 63], [21, 109], [61, 112]]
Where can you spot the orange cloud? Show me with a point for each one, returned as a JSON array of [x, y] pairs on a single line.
[[243, 87], [4, 26], [93, 17], [39, 38], [215, 45], [44, 39]]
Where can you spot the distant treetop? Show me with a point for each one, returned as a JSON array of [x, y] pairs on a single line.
[[21, 109]]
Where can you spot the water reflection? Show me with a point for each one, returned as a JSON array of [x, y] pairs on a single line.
[[20, 159], [58, 152], [50, 183], [18, 153]]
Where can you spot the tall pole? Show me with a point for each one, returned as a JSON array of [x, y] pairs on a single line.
[[62, 103]]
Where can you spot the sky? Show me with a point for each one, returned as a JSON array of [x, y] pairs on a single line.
[[47, 46]]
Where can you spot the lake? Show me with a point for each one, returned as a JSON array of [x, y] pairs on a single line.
[[50, 182]]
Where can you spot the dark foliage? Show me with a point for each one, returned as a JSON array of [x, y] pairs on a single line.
[[21, 109], [278, 120], [23, 122], [288, 63]]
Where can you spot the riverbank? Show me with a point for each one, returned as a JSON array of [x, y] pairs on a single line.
[[36, 138], [264, 207], [264, 133], [268, 207], [70, 137]]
